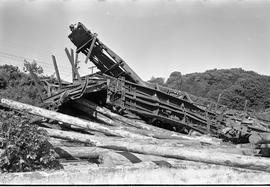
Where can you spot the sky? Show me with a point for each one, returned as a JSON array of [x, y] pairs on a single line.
[[155, 37]]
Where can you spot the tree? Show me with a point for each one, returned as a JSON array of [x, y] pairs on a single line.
[[18, 85], [255, 90], [32, 67], [175, 80], [3, 79], [158, 80], [236, 84]]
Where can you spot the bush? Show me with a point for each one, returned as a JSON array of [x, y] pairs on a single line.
[[12, 74], [26, 148]]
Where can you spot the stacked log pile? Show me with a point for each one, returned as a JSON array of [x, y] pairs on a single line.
[[113, 139]]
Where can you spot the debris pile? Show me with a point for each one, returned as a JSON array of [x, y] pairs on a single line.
[[113, 116], [122, 141]]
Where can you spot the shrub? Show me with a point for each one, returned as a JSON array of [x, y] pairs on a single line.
[[26, 148]]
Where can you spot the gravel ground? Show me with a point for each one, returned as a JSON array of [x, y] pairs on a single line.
[[141, 173]]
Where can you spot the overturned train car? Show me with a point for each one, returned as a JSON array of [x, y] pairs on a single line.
[[118, 87]]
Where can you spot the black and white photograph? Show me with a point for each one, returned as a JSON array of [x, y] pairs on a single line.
[[135, 92]]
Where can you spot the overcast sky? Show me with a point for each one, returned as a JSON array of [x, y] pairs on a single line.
[[154, 37]]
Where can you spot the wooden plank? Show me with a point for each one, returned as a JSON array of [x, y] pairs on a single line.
[[76, 62], [71, 60], [56, 71]]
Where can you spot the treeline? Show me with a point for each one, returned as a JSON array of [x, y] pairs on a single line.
[[235, 86]]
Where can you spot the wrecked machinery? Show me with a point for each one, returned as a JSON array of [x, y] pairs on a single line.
[[120, 89]]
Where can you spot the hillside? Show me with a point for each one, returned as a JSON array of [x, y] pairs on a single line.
[[235, 86]]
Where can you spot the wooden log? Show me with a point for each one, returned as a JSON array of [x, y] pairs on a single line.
[[74, 129], [265, 150], [118, 131], [103, 157], [266, 125], [77, 152], [186, 153], [82, 151], [95, 140], [133, 116], [62, 142], [164, 134], [260, 138], [182, 143], [112, 158], [66, 119], [94, 114], [110, 114], [131, 129]]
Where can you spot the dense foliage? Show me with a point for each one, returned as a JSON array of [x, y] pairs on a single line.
[[25, 146], [18, 85], [235, 86]]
